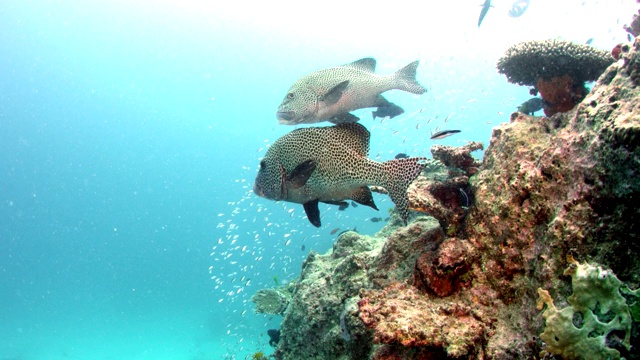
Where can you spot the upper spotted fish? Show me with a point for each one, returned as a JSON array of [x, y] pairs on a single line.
[[330, 94], [330, 165]]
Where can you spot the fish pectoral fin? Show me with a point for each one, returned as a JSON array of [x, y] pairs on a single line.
[[345, 118], [299, 176], [312, 211], [333, 96]]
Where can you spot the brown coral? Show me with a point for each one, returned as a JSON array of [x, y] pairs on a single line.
[[440, 271], [446, 196], [560, 94], [402, 315]]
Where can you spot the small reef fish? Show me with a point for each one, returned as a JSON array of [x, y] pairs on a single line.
[[518, 8], [353, 204], [330, 164], [443, 134], [355, 229], [334, 231], [401, 156], [376, 219], [483, 12], [588, 42], [330, 94], [532, 105], [391, 110]]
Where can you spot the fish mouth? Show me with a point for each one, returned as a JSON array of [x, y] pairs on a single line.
[[285, 116], [258, 190]]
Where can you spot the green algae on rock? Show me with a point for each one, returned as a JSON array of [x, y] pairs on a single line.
[[601, 309]]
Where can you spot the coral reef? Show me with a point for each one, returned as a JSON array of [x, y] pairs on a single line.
[[272, 301], [401, 314], [547, 188], [442, 191], [634, 27], [558, 69]]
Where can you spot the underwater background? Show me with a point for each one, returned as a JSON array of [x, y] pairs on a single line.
[[130, 136]]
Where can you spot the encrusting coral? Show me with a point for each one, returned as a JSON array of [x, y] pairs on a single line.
[[558, 69]]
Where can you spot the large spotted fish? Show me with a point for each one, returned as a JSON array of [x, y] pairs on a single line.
[[330, 94], [330, 165]]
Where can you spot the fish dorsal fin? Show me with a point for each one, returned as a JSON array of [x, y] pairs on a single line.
[[299, 176], [365, 64], [354, 136], [335, 93]]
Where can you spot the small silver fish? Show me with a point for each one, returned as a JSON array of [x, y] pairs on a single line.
[[329, 165], [330, 94], [518, 8], [443, 134]]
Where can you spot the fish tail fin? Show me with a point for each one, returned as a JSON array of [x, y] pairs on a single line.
[[400, 174], [406, 79]]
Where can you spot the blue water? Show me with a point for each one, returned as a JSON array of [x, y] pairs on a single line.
[[130, 135]]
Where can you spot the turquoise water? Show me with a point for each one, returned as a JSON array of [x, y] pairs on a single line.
[[130, 135]]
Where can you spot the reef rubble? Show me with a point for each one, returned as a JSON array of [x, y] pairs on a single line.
[[473, 281]]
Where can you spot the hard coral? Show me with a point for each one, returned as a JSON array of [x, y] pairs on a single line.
[[402, 315], [271, 301], [440, 271], [443, 192], [634, 27], [459, 157], [560, 93], [560, 67]]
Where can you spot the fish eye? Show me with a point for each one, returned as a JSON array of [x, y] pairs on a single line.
[[290, 96]]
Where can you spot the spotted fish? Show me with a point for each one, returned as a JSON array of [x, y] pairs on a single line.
[[330, 164], [330, 94]]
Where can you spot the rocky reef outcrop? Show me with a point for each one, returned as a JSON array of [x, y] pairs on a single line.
[[495, 277]]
